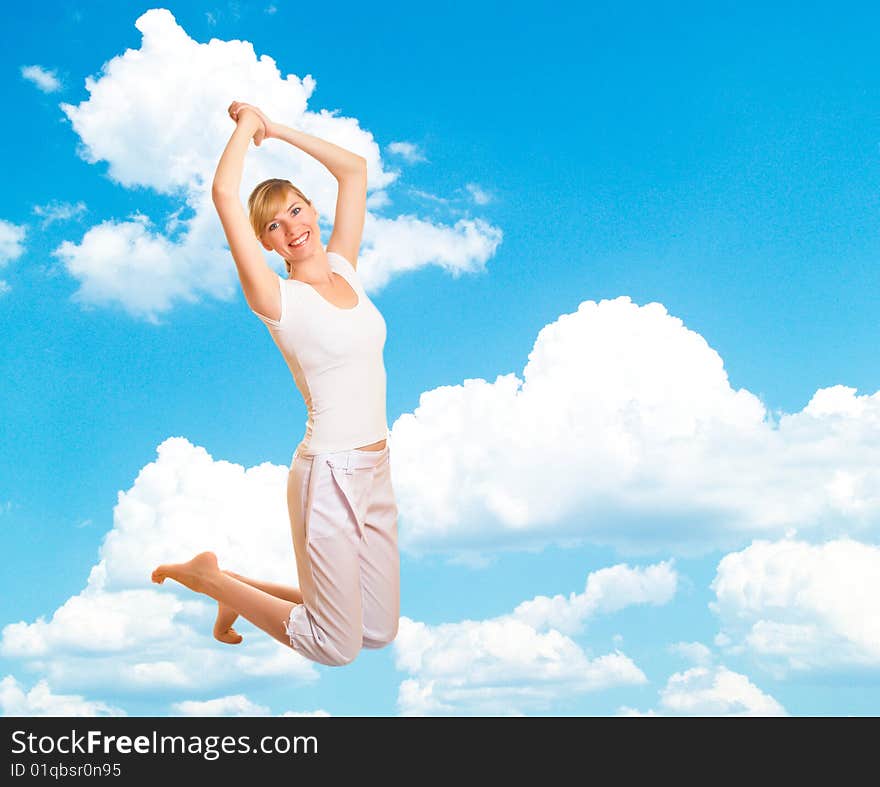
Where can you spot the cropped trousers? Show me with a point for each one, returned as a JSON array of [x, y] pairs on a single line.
[[343, 520]]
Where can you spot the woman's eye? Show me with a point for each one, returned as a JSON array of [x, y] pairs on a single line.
[[293, 211]]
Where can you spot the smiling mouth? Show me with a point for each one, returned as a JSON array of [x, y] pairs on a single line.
[[301, 240]]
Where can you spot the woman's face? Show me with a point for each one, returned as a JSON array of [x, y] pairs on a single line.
[[297, 220]]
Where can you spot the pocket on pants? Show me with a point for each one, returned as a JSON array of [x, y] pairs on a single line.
[[353, 487]]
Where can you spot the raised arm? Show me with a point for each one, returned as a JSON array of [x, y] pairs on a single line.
[[339, 161], [258, 281], [349, 169]]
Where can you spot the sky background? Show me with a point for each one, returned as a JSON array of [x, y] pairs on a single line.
[[627, 256]]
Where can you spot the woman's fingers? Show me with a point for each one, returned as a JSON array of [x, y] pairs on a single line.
[[266, 122], [235, 109], [262, 132]]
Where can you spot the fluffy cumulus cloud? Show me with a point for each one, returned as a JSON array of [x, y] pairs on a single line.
[[796, 607], [524, 661], [124, 631], [608, 590], [625, 430], [40, 700], [711, 691], [169, 139]]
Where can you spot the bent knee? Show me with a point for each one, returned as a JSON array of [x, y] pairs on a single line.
[[343, 654], [392, 634], [381, 639]]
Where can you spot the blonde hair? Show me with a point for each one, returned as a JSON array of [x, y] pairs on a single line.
[[267, 199]]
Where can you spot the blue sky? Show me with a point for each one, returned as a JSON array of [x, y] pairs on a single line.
[[627, 260]]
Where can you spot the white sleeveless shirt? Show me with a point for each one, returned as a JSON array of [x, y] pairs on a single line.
[[336, 358]]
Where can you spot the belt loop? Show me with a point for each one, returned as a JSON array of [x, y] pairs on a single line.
[[348, 470]]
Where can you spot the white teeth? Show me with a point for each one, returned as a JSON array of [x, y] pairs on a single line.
[[303, 237]]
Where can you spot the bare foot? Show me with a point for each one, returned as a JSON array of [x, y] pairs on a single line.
[[195, 574], [223, 630]]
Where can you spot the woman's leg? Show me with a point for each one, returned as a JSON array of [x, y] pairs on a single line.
[[203, 575], [223, 630], [226, 615], [328, 626], [286, 592], [380, 562]]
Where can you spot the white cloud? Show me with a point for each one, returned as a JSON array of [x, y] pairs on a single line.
[[102, 262], [58, 211], [125, 122], [408, 242], [502, 667], [523, 661], [45, 80], [627, 711], [428, 196], [716, 692], [39, 700], [96, 622], [608, 590], [480, 196], [124, 630], [695, 652], [11, 241], [624, 430], [797, 607], [407, 150], [234, 705], [711, 691], [11, 246]]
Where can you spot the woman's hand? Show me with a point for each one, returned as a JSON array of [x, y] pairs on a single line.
[[239, 110]]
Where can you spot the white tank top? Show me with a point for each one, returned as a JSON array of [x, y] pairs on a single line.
[[335, 357]]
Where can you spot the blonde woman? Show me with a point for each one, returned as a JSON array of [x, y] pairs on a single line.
[[343, 512]]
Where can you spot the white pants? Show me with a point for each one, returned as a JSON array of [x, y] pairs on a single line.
[[343, 519]]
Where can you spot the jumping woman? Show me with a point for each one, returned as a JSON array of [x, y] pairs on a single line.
[[343, 512]]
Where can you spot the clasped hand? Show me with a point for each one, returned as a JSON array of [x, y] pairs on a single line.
[[240, 111]]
